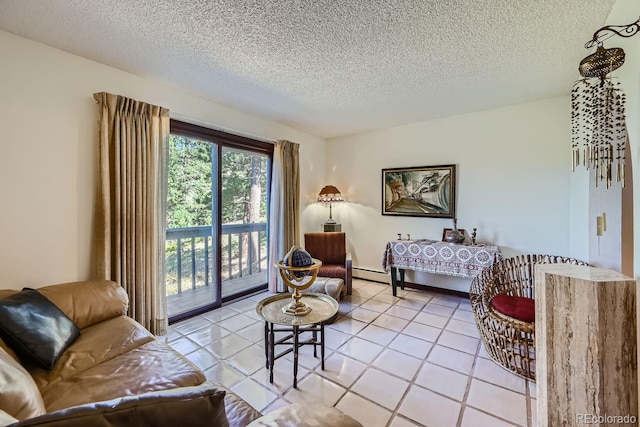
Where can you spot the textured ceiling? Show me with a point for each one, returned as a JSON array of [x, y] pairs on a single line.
[[330, 67]]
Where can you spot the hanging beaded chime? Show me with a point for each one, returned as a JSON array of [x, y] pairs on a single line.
[[598, 128]]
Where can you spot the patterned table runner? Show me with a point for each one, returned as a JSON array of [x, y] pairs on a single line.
[[432, 256]]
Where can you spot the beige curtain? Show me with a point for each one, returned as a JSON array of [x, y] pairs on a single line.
[[284, 207], [130, 220]]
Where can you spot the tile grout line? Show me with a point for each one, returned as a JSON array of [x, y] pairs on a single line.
[[415, 377], [393, 412], [468, 387], [466, 395], [380, 297], [412, 382]]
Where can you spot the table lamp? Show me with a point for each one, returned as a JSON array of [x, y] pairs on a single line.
[[330, 194]]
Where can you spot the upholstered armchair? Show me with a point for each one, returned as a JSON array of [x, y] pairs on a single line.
[[331, 249]]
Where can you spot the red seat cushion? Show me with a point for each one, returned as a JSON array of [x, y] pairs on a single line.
[[520, 308], [331, 270]]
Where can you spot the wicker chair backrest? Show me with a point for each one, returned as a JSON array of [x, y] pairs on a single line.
[[515, 276]]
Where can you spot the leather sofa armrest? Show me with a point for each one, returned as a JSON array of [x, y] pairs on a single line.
[[184, 407], [239, 412]]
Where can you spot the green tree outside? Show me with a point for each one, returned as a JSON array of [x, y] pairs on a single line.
[[244, 185], [243, 201], [189, 183]]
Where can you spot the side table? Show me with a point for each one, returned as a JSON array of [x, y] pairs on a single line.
[[271, 309]]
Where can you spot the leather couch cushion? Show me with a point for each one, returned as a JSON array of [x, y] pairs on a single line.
[[96, 344], [5, 347], [6, 419], [151, 367], [86, 302], [184, 407], [19, 396], [297, 414], [35, 328]]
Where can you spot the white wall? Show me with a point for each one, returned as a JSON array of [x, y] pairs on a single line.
[[513, 180], [624, 12], [614, 249], [605, 251], [47, 160]]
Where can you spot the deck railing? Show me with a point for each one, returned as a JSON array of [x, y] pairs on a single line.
[[243, 253]]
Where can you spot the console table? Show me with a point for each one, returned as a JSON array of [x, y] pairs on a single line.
[[432, 256]]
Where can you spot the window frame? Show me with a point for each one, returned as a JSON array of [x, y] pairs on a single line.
[[228, 140]]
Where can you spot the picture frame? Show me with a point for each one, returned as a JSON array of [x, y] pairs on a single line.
[[446, 230], [423, 191]]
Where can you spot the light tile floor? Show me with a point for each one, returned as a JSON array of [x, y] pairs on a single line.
[[411, 360]]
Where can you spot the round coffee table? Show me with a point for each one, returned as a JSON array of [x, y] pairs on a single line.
[[273, 311]]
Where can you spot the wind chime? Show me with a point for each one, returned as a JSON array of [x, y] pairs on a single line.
[[598, 128]]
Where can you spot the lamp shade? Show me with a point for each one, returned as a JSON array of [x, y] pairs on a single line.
[[330, 194]]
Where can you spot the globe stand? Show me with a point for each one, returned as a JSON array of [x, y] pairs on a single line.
[[297, 308], [298, 278]]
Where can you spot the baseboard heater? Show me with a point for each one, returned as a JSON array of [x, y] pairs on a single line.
[[373, 275]]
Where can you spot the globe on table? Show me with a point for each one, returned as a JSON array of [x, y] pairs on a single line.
[[298, 257], [298, 271]]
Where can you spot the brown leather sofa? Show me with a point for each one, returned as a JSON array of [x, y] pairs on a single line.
[[114, 374]]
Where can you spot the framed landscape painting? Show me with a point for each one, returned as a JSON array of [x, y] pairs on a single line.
[[428, 191]]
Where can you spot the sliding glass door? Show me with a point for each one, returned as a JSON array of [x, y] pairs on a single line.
[[216, 218], [244, 220]]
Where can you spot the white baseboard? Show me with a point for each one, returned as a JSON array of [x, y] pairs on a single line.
[[376, 276]]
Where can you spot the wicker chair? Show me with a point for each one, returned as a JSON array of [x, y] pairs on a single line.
[[509, 342]]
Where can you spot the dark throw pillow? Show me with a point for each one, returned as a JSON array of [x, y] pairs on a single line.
[[520, 308], [35, 328]]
